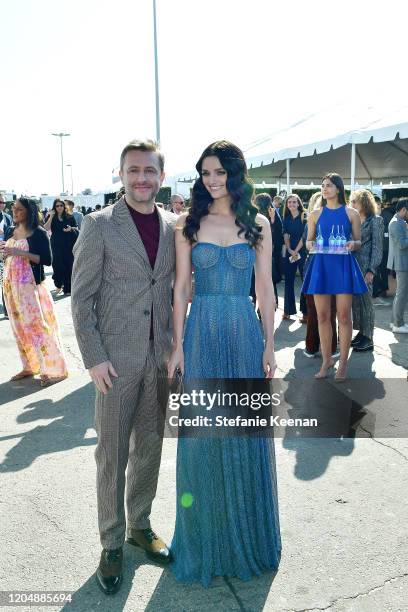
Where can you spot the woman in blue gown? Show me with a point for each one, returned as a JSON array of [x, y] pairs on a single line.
[[227, 521], [334, 274]]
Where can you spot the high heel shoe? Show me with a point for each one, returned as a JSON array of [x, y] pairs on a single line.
[[322, 373], [340, 377]]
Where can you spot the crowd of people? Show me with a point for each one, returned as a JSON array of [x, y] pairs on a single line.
[[134, 334], [378, 257], [289, 223]]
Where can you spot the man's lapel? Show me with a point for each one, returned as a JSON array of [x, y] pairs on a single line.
[[165, 235], [124, 222]]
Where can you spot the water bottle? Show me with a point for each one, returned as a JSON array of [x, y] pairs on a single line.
[[319, 240], [332, 241], [343, 240], [337, 244]]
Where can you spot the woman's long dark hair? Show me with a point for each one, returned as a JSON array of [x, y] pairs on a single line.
[[301, 209], [338, 181], [33, 212], [65, 213], [239, 188]]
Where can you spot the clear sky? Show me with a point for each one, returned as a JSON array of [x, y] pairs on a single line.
[[228, 69]]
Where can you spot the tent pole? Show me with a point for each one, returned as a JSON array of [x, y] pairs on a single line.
[[353, 166], [288, 176]]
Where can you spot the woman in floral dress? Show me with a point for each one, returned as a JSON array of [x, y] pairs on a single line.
[[28, 301]]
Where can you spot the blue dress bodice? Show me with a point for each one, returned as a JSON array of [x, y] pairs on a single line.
[[333, 218], [222, 270], [223, 335]]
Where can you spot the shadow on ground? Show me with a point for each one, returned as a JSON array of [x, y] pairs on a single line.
[[223, 594], [341, 410], [70, 417]]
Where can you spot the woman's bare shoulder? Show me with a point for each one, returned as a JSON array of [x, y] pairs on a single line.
[[262, 220], [352, 213], [314, 215]]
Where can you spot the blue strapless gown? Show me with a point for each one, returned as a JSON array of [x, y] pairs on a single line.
[[232, 526], [334, 274]]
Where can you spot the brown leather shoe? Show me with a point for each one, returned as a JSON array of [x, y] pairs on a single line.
[[109, 573], [154, 546]]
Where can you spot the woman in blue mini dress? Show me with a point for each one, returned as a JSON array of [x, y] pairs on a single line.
[[334, 274]]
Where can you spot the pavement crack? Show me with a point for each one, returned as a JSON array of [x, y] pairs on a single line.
[[383, 443], [75, 357], [350, 597], [45, 515]]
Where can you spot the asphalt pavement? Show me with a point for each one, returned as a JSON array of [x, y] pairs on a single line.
[[342, 500]]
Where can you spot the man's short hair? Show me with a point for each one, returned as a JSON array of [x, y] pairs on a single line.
[[143, 145], [176, 195], [402, 203]]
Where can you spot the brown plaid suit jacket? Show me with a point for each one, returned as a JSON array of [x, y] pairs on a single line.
[[114, 290]]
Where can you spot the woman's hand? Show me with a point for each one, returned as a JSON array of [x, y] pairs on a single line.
[[269, 362], [176, 361], [8, 251], [310, 244], [67, 229], [351, 246]]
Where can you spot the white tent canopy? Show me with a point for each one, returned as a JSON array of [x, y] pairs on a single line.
[[361, 144]]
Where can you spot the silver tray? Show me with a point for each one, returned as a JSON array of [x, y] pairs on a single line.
[[329, 251]]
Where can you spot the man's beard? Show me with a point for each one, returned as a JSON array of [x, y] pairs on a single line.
[[142, 199]]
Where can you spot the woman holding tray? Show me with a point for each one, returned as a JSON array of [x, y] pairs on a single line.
[[334, 273]]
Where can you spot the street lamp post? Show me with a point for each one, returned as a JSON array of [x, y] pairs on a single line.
[[61, 135], [72, 180], [156, 74]]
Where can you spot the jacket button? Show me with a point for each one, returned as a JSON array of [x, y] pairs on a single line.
[[146, 312]]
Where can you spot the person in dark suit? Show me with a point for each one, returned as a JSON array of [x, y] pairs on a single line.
[[64, 232], [398, 261], [5, 225], [294, 221], [275, 216], [380, 282]]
